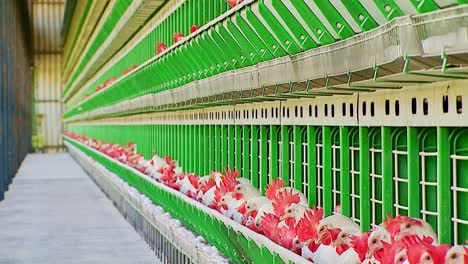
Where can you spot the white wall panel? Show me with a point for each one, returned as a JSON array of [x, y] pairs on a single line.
[[48, 100], [47, 18]]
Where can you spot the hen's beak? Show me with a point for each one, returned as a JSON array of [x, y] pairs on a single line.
[[370, 253], [248, 211], [400, 235], [335, 243], [319, 238]]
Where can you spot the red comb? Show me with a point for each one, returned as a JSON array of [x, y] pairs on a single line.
[[138, 157], [326, 237], [160, 47], [307, 226], [173, 185], [284, 199], [390, 250], [233, 3], [438, 253], [406, 219], [418, 246], [273, 187], [241, 208], [340, 249], [237, 196], [193, 180], [182, 176], [228, 184], [254, 213], [213, 174], [208, 185], [417, 250], [337, 209], [411, 240], [110, 81], [168, 160], [168, 174], [177, 37], [228, 172], [393, 225], [360, 245], [229, 181], [194, 28], [466, 255], [334, 232], [290, 221], [251, 225], [270, 226], [287, 235]]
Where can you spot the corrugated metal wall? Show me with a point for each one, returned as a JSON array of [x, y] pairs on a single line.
[[47, 17], [15, 90]]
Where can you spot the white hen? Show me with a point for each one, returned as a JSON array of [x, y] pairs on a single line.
[[264, 209], [254, 204], [325, 254], [339, 221], [247, 191], [349, 257]]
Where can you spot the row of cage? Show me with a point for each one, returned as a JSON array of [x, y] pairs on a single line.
[[367, 171], [183, 16], [260, 31], [323, 22]]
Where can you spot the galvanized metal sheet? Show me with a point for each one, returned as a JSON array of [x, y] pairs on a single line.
[[47, 17], [15, 92], [48, 78], [51, 124]]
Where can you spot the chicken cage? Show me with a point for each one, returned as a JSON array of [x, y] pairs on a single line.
[[357, 104]]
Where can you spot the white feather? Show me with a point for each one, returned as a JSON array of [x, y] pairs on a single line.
[[349, 257], [325, 255], [266, 208], [209, 197]]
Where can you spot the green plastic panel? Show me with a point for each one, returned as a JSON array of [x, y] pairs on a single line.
[[258, 32]]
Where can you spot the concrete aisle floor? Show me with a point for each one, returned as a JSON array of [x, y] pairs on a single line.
[[54, 213]]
